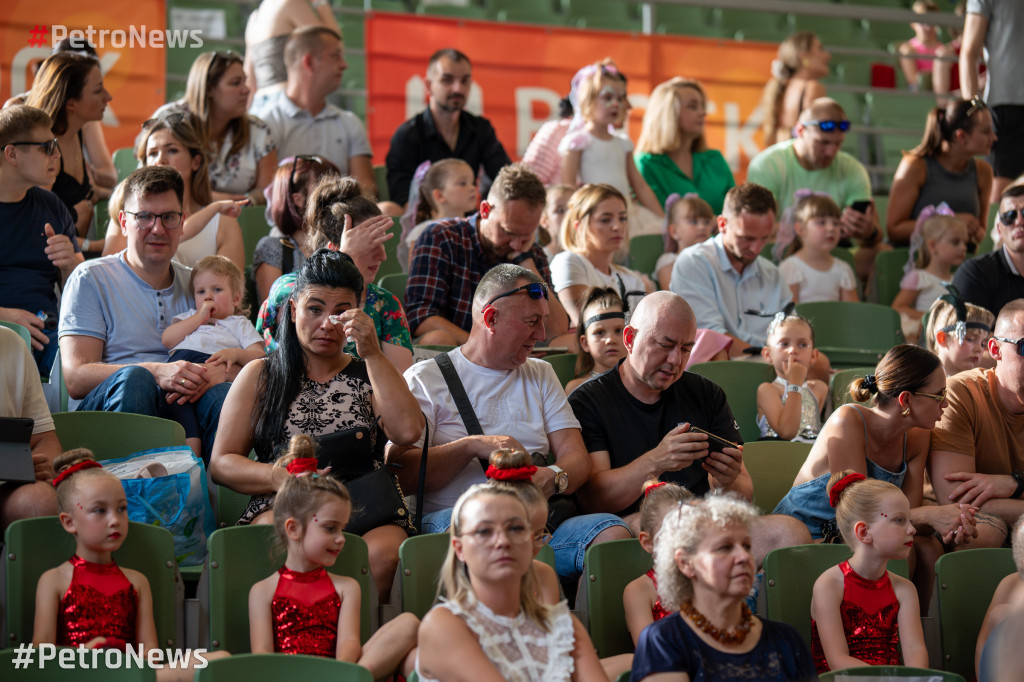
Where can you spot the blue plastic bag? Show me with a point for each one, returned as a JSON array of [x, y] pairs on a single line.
[[179, 501]]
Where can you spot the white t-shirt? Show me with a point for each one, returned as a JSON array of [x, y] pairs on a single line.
[[527, 403], [928, 288], [21, 394], [197, 248], [235, 331], [815, 285], [571, 269]]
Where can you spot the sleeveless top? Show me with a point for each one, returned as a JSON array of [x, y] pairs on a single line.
[[959, 190], [810, 415], [69, 190], [200, 246], [869, 612], [922, 49], [268, 61], [518, 647], [99, 602], [305, 611], [658, 610]]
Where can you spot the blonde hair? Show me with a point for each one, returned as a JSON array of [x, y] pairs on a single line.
[[581, 203], [67, 488], [223, 267], [528, 491], [943, 314], [935, 227], [454, 580], [791, 52], [683, 530], [660, 131], [858, 501], [589, 86], [695, 206], [658, 497], [299, 497]]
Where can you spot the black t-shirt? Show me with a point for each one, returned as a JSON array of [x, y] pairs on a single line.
[[988, 281], [613, 420]]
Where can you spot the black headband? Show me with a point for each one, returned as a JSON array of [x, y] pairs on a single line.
[[603, 316]]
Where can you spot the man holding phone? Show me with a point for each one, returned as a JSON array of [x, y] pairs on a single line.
[[641, 420]]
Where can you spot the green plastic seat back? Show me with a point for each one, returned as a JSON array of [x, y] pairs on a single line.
[[420, 559], [644, 251], [395, 284], [54, 673], [853, 334], [21, 331], [739, 380], [889, 272], [565, 366], [124, 163], [278, 667], [896, 671], [241, 556], [607, 568], [547, 555], [253, 221], [965, 582], [839, 384], [115, 434], [773, 464], [34, 546]]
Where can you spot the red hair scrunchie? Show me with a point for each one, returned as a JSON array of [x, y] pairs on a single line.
[[653, 486], [302, 465], [841, 485], [87, 464], [514, 474]]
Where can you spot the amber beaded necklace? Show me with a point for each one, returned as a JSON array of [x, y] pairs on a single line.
[[734, 636]]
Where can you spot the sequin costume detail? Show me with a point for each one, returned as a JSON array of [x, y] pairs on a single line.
[[305, 612], [810, 415], [869, 611], [99, 602], [658, 611]]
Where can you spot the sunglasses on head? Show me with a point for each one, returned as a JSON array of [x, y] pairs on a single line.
[[1017, 342], [830, 126], [535, 290], [1008, 218]]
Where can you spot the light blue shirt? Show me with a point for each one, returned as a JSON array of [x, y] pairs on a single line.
[[719, 295], [335, 134], [105, 299]]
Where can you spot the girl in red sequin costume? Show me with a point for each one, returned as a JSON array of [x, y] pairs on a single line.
[[640, 599], [90, 600], [303, 609], [862, 614]]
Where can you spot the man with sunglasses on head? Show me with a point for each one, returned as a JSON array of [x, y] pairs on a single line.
[[994, 279], [116, 308], [814, 160], [977, 451], [36, 229], [496, 396]]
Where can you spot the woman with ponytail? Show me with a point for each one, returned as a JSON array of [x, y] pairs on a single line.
[[943, 168], [794, 84]]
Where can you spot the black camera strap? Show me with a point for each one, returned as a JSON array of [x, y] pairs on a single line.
[[458, 391]]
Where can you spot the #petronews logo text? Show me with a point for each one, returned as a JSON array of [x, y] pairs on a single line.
[[119, 38]]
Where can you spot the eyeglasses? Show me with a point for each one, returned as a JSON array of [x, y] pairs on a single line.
[[1019, 343], [488, 535], [147, 219], [542, 537], [295, 167], [535, 290], [1008, 218], [50, 147], [937, 397], [830, 126]]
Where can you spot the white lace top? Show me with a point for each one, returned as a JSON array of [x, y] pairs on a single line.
[[518, 647]]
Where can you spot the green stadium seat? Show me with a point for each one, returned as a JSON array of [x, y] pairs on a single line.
[[685, 20], [125, 162], [380, 177], [839, 384], [753, 25], [253, 221], [565, 366], [882, 33], [111, 435], [614, 15], [853, 334], [739, 380], [354, 77], [888, 273], [276, 667], [454, 11], [644, 251], [894, 109], [832, 31], [526, 11], [98, 670], [21, 331], [395, 283], [773, 466], [607, 568]]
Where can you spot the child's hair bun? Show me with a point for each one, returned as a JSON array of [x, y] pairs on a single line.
[[66, 460], [509, 458], [299, 447]]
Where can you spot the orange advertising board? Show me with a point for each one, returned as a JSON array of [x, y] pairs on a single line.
[[129, 37], [520, 72]]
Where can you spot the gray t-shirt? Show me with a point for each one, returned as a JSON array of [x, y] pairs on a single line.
[[1004, 47], [105, 299]]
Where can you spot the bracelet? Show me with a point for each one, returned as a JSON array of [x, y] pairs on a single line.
[[793, 388]]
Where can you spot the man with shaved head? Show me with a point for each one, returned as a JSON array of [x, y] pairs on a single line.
[[813, 160], [637, 418], [977, 452]]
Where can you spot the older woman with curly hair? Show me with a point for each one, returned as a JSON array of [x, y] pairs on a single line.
[[705, 569]]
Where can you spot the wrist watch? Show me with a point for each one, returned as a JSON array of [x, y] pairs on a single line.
[[1018, 476], [561, 479]]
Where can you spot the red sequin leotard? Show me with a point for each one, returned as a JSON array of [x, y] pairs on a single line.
[[658, 611], [100, 601], [305, 611], [869, 611]]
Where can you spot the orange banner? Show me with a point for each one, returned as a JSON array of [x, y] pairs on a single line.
[[520, 72], [128, 35]]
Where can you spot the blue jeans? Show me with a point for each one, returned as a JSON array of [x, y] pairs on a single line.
[[44, 358], [133, 389], [569, 541]]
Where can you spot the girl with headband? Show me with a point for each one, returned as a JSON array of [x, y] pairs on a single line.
[[958, 332], [599, 335]]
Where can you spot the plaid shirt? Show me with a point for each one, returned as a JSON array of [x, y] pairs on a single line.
[[447, 264]]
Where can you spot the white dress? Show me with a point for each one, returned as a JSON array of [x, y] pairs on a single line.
[[818, 285], [200, 246], [518, 647], [571, 269]]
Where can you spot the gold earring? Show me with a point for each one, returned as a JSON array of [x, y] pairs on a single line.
[[906, 412]]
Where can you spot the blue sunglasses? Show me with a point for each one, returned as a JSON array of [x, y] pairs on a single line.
[[830, 126], [535, 290]]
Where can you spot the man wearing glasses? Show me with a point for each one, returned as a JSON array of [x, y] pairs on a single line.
[[511, 401], [977, 454], [993, 280], [116, 308], [36, 230], [813, 160]]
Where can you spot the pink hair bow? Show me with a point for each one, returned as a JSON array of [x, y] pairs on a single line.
[[917, 237]]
